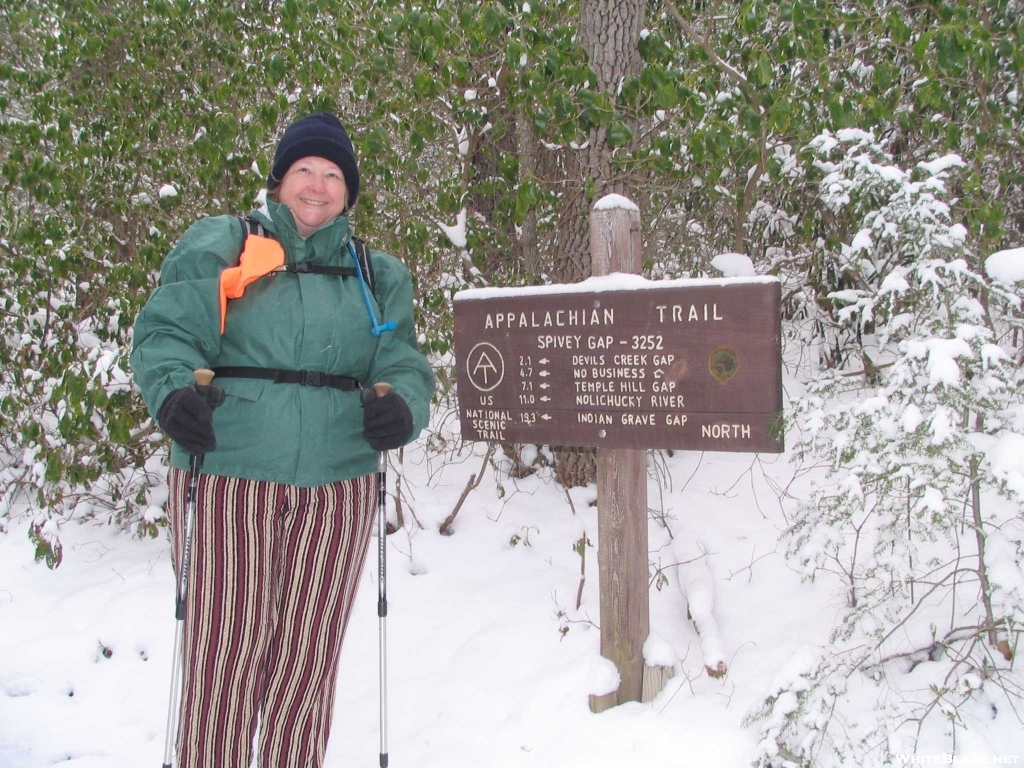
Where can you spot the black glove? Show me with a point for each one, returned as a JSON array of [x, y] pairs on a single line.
[[187, 417], [387, 421]]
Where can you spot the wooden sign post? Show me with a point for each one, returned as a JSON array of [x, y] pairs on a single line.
[[616, 245], [623, 364]]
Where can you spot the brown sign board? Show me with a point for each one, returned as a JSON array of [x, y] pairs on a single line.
[[622, 362]]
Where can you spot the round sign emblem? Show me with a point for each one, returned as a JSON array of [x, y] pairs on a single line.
[[485, 366], [723, 364]]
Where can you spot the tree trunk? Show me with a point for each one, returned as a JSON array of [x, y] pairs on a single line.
[[575, 467], [609, 32], [526, 140]]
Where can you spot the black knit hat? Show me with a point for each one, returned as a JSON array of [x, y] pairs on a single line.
[[317, 135]]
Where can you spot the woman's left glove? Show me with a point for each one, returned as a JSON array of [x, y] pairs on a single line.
[[387, 422]]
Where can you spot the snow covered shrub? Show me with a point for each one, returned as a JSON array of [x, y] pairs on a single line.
[[101, 172], [920, 520]]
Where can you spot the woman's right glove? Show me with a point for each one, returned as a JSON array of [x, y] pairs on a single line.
[[187, 417]]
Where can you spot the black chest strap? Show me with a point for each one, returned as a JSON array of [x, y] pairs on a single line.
[[305, 267], [278, 376]]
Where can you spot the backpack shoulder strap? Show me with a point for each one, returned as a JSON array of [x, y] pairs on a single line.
[[251, 226], [365, 264]]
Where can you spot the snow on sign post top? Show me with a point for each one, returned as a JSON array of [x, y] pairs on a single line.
[[622, 362]]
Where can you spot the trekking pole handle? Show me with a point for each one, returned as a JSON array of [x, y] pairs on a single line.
[[204, 377], [379, 389]]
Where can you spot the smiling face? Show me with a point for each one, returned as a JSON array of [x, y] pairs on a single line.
[[314, 191]]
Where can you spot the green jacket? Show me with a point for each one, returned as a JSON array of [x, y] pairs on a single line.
[[289, 433]]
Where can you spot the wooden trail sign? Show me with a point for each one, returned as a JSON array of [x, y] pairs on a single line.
[[622, 362]]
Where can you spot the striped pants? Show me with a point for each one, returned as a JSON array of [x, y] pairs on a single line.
[[274, 573]]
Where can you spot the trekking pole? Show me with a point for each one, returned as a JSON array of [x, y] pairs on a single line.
[[368, 396], [204, 377]]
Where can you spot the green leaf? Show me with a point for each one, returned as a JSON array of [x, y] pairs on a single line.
[[762, 71], [375, 141], [619, 134], [277, 69], [667, 96], [50, 552]]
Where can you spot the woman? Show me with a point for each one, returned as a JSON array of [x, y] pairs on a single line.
[[286, 500]]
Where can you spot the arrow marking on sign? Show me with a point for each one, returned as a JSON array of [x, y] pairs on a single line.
[[544, 373], [545, 417], [544, 361], [545, 386], [545, 399]]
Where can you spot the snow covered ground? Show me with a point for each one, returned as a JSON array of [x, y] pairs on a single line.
[[490, 663]]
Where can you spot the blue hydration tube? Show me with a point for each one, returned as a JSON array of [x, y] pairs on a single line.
[[375, 328]]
